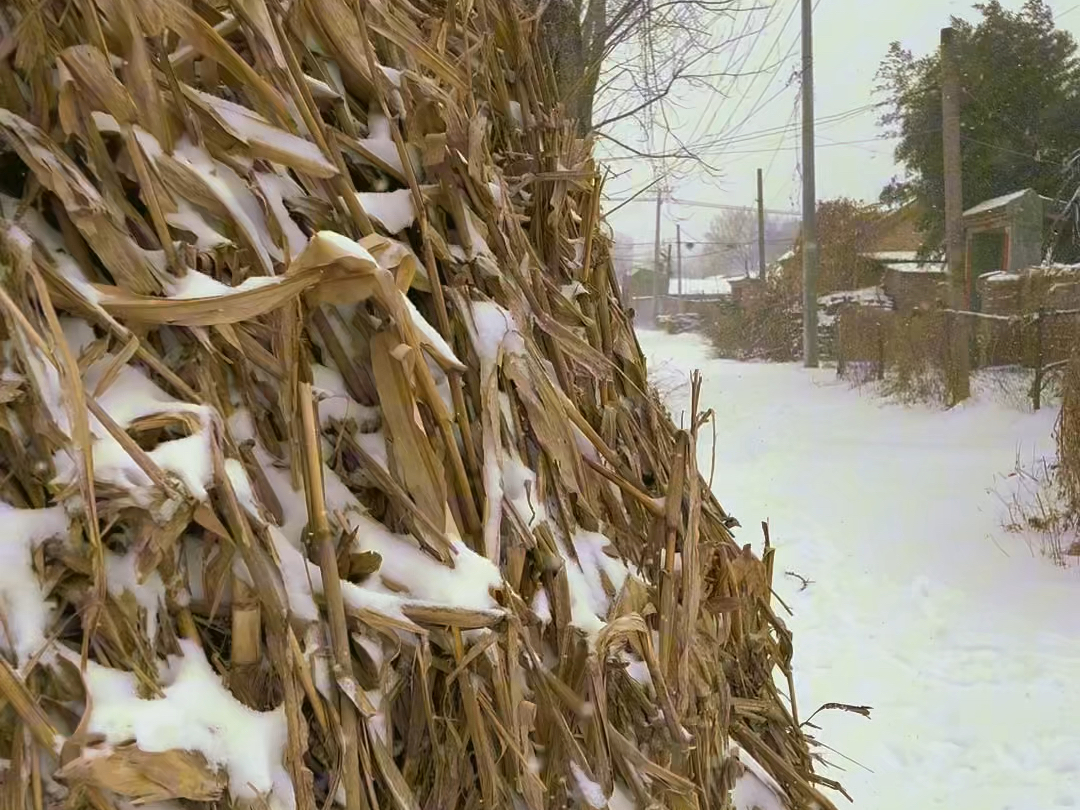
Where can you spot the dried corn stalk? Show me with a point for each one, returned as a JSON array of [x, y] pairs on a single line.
[[331, 473]]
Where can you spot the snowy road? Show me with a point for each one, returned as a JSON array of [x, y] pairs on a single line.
[[967, 647]]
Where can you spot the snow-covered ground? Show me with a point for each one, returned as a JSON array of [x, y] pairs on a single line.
[[964, 643]]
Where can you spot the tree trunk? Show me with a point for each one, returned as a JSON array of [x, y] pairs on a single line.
[[576, 79]]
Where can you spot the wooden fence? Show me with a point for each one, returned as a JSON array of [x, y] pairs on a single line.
[[1043, 341]]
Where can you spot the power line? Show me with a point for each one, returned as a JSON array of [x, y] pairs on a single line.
[[878, 139], [791, 50], [765, 89], [791, 127], [783, 140], [1005, 149], [823, 121], [727, 70], [700, 204], [723, 243], [761, 102], [720, 143]]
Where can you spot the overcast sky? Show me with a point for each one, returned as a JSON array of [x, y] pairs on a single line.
[[851, 37]]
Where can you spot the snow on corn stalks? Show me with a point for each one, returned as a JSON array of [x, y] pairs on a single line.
[[316, 490]]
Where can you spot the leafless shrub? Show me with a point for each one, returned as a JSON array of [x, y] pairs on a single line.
[[1043, 498], [915, 360], [903, 354], [1010, 386], [1067, 435], [764, 326], [1036, 510]]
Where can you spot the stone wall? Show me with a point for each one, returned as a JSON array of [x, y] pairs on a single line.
[[915, 289]]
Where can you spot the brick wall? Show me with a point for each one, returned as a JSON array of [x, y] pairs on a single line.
[[910, 289]]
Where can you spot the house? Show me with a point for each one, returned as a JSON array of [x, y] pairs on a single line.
[[897, 230], [699, 299], [878, 247], [699, 289], [894, 244], [1008, 234], [742, 288]]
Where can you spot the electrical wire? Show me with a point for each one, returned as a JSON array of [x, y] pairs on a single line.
[[758, 105], [772, 132], [722, 244], [728, 69], [768, 84], [783, 140], [700, 204]]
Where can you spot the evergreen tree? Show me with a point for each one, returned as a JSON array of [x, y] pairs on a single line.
[[1020, 111]]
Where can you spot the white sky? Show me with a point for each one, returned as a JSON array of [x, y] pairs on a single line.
[[851, 37]]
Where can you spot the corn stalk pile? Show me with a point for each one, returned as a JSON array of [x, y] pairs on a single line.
[[330, 470]]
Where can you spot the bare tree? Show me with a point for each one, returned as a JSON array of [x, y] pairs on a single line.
[[623, 61], [732, 241]]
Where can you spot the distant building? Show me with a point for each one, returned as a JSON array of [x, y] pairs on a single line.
[[895, 243], [1012, 233], [700, 288]]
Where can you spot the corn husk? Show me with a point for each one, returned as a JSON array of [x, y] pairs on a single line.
[[292, 224]]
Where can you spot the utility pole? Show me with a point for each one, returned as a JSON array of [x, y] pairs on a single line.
[[678, 266], [954, 218], [667, 273], [809, 212], [658, 275], [761, 225]]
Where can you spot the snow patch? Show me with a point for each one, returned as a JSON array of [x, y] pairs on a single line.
[[199, 285], [494, 329], [393, 210], [23, 602], [196, 713], [429, 335], [591, 792], [188, 218], [130, 397]]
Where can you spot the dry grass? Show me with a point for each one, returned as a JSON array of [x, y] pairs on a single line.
[[902, 355], [146, 141], [1036, 511], [1043, 497]]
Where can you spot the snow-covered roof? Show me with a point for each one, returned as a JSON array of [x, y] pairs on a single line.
[[909, 267], [893, 255], [998, 277], [996, 202], [874, 296], [713, 285], [906, 261], [1040, 270]]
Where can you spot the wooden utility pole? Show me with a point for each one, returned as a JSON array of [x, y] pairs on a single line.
[[954, 219], [678, 265], [761, 225], [658, 274], [809, 212]]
